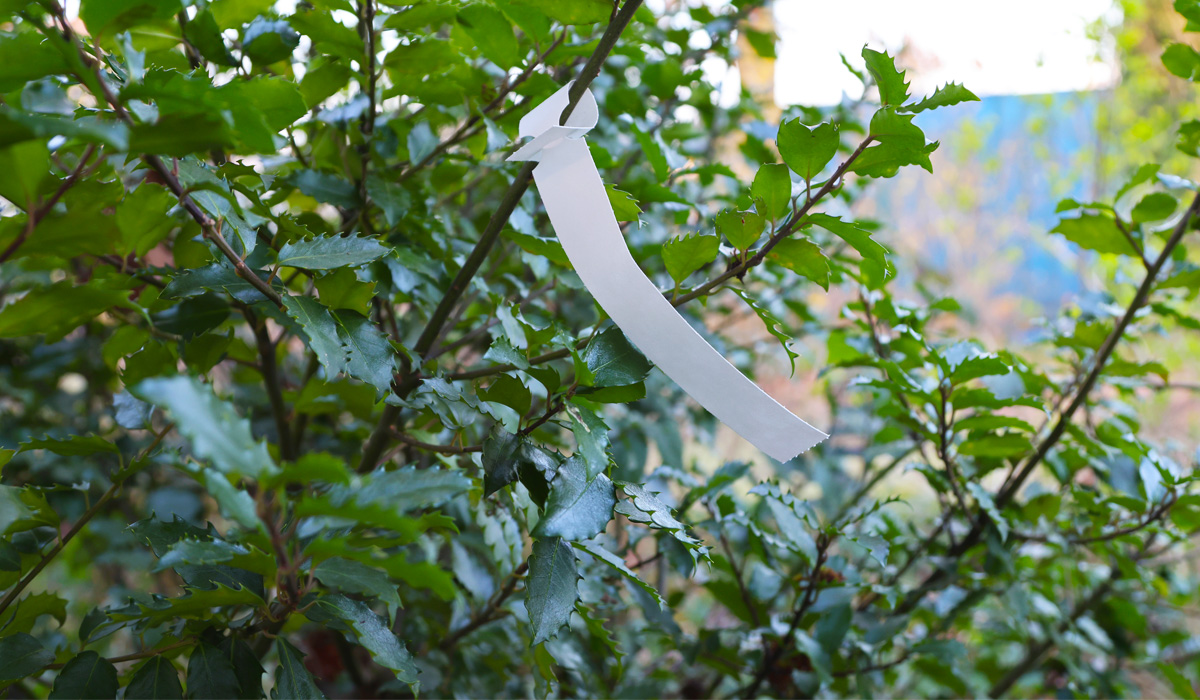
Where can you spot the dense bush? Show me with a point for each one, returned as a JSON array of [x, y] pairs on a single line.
[[301, 396]]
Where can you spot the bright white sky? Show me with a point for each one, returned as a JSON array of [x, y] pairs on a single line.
[[1014, 47]]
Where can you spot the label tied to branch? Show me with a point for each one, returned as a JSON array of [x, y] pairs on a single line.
[[579, 209]]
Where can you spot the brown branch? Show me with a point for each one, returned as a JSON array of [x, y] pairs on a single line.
[[490, 611]]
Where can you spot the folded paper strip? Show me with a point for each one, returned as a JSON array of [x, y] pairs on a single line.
[[579, 209]]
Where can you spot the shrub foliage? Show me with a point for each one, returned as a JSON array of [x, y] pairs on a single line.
[[302, 397]]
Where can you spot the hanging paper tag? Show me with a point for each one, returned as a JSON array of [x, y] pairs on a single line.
[[579, 209]]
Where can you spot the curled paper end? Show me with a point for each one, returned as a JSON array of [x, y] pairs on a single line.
[[579, 209]]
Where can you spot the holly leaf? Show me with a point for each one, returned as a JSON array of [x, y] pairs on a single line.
[[893, 91], [614, 361], [773, 187], [807, 150], [945, 96], [156, 678], [22, 655], [329, 252], [321, 331], [215, 429], [292, 679], [686, 254], [86, 676], [552, 587], [576, 509], [741, 228], [369, 355], [355, 577], [372, 633], [803, 257]]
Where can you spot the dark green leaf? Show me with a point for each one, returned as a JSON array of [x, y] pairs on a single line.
[[321, 331], [355, 577], [292, 679], [614, 361], [210, 674], [86, 676], [372, 634], [330, 252], [577, 509], [552, 587], [267, 41], [155, 679], [22, 655]]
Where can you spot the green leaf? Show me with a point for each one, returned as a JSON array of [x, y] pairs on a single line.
[[372, 634], [22, 616], [577, 509], [86, 676], [73, 446], [591, 435], [996, 446], [599, 552], [989, 421], [571, 11], [23, 169], [652, 151], [329, 252], [1155, 206], [157, 678], [267, 41], [411, 488], [741, 228], [1180, 684], [320, 330], [803, 257], [203, 33], [900, 143], [277, 99], [773, 187], [945, 96], [235, 504], [1182, 60], [210, 674], [22, 655], [108, 17], [774, 326], [642, 506], [552, 587], [292, 679], [325, 187], [492, 33], [1095, 232], [614, 361], [686, 254], [875, 264], [369, 355], [893, 91], [807, 150], [509, 391], [355, 577], [625, 207], [246, 667], [25, 57], [216, 431], [506, 457], [984, 499], [58, 309], [218, 277]]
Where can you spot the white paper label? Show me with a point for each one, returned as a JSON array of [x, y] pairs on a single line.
[[578, 206]]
